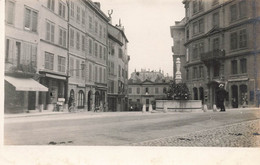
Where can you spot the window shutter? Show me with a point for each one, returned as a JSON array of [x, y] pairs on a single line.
[[64, 38], [52, 33], [34, 21], [48, 31], [27, 18]]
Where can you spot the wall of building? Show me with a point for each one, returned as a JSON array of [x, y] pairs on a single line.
[[223, 30]]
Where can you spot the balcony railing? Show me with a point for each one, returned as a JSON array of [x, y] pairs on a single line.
[[213, 55]]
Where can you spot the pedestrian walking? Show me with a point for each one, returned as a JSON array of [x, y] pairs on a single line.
[[221, 96], [71, 103]]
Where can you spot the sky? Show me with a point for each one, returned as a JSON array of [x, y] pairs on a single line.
[[147, 27]]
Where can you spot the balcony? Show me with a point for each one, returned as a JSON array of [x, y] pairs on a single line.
[[214, 55]]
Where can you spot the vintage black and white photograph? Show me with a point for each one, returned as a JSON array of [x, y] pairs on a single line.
[[132, 73]]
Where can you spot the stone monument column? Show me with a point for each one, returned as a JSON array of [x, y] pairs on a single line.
[[178, 78]]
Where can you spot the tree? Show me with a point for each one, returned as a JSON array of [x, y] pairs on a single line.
[[178, 91]]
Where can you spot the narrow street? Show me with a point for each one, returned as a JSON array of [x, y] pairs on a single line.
[[118, 128]]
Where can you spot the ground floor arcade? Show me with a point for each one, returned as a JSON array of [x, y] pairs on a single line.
[[240, 93]]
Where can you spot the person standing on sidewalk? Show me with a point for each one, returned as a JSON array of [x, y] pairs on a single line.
[[221, 94], [71, 103]]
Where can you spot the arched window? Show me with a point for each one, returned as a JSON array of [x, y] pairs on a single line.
[[97, 99], [81, 99]]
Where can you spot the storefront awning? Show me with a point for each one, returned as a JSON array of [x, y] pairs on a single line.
[[25, 84]]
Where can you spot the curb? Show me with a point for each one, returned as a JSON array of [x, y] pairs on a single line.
[[6, 116], [34, 114]]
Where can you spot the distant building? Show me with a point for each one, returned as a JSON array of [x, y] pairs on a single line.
[[147, 86], [221, 42], [117, 68]]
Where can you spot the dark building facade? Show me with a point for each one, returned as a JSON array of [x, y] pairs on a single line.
[[221, 44]]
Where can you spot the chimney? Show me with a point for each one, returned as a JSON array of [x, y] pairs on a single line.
[[97, 4]]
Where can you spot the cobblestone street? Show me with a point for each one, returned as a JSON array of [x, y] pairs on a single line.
[[246, 134]]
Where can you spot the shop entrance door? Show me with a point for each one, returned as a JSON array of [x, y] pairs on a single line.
[[31, 100], [234, 99]]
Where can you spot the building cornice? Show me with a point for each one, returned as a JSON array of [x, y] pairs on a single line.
[[53, 44], [115, 39]]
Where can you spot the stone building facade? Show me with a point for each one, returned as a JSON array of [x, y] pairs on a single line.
[[22, 37], [52, 61], [117, 68], [221, 39], [87, 54], [55, 49], [147, 86]]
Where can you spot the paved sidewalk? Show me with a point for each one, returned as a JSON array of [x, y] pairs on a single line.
[[245, 134], [17, 115]]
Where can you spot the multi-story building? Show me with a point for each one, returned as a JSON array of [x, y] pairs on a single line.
[[53, 51], [147, 86], [221, 39], [87, 54], [22, 51], [117, 68], [64, 46]]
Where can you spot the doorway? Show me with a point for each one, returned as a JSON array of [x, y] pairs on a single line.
[[89, 100], [81, 99], [201, 94], [147, 104], [195, 92], [31, 100], [234, 90]]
